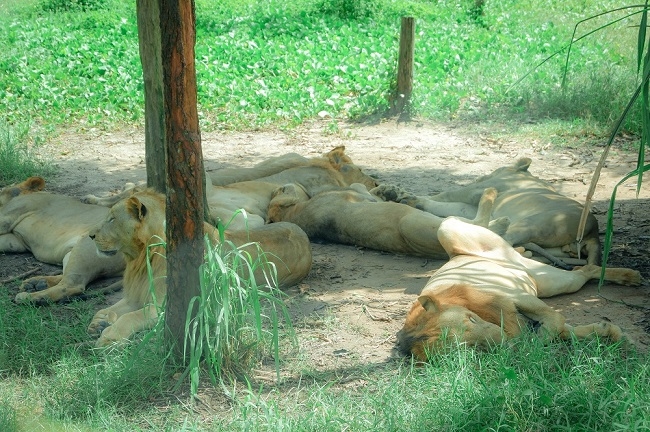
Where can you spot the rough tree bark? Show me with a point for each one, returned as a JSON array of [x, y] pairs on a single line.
[[154, 115], [185, 248]]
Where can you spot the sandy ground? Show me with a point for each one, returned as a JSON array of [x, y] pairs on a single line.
[[349, 308]]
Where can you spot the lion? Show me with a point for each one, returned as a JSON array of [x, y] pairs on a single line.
[[488, 292], [138, 222], [252, 192], [335, 170], [353, 216], [539, 215], [335, 158], [54, 228]]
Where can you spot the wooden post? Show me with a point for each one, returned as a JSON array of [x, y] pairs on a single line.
[[402, 96], [184, 215], [154, 115]]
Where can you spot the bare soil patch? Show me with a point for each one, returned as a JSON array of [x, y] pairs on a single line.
[[353, 302]]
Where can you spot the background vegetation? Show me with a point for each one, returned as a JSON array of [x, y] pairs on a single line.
[[74, 64], [279, 63]]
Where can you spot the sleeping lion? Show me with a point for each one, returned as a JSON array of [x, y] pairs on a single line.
[[488, 292]]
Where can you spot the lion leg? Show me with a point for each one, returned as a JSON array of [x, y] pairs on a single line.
[[128, 324], [553, 324], [9, 243], [438, 208], [484, 213], [460, 237], [552, 281], [81, 266], [469, 195], [108, 201], [602, 329]]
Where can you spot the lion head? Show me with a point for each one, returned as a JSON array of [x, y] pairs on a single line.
[[131, 224], [459, 313], [283, 199], [349, 172], [32, 184]]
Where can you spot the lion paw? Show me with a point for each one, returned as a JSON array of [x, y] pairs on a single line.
[[612, 331], [108, 337], [101, 321], [23, 298], [393, 193], [89, 199], [500, 225], [34, 284]]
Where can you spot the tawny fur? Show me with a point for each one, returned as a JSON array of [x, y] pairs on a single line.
[[488, 292], [136, 223]]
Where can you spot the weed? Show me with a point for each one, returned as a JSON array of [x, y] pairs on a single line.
[[19, 157], [237, 316]]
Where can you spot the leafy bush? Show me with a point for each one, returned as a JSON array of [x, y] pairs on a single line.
[[72, 5], [349, 9]]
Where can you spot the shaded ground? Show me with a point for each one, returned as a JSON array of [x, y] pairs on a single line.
[[349, 308]]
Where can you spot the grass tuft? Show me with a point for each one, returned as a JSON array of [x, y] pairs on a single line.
[[19, 156], [239, 317]]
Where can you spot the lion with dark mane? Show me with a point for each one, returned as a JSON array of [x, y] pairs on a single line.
[[488, 292]]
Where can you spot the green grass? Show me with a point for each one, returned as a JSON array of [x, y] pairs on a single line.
[[523, 386], [277, 63], [238, 319], [53, 379], [19, 156]]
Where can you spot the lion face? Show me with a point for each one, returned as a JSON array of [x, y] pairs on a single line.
[[32, 184], [353, 174], [350, 172], [429, 324], [128, 227]]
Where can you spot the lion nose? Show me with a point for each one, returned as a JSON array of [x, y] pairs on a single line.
[[92, 236]]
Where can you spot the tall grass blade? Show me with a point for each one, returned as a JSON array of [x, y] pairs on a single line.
[[641, 38], [575, 30], [603, 157], [610, 217], [237, 315]]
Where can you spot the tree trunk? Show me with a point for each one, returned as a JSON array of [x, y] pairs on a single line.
[[154, 115], [185, 244]]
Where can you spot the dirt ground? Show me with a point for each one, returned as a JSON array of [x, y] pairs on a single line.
[[353, 302]]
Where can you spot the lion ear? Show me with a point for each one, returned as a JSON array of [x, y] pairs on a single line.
[[523, 164], [429, 304], [35, 184], [136, 208], [337, 156]]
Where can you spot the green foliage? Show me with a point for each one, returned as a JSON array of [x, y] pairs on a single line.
[[349, 9], [525, 385], [119, 380], [33, 339], [19, 157], [237, 318], [8, 421], [72, 5], [280, 63]]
